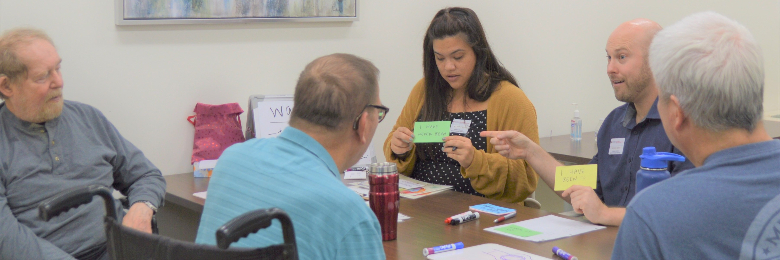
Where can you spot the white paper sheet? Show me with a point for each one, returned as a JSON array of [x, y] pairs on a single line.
[[201, 195], [552, 227], [363, 192], [355, 175], [487, 251], [401, 217], [404, 184], [367, 158], [207, 164], [271, 117]]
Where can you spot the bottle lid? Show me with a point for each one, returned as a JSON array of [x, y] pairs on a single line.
[[658, 160], [391, 168], [576, 111], [375, 168], [382, 168]]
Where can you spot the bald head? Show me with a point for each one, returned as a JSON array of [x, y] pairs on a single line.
[[11, 65], [627, 56], [333, 89], [637, 33]]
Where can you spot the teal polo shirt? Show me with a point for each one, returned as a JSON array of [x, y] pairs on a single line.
[[295, 173]]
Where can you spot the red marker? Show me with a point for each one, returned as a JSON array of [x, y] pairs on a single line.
[[505, 217]]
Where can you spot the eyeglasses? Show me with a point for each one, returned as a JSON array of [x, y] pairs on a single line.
[[382, 113]]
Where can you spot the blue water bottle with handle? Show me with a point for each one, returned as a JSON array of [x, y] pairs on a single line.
[[654, 167]]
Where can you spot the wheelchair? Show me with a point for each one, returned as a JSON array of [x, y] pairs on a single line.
[[125, 243]]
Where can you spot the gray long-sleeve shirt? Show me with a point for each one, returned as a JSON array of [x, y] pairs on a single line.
[[37, 161]]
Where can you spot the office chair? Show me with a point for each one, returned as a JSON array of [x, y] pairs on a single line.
[[532, 203], [127, 243]]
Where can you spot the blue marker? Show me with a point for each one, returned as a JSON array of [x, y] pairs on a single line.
[[444, 248], [562, 254]]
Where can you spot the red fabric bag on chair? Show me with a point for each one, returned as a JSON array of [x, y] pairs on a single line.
[[217, 127]]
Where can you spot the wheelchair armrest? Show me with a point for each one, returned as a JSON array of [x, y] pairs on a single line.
[[251, 222], [74, 198]]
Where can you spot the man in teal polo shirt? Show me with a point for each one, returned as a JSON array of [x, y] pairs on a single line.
[[337, 109]]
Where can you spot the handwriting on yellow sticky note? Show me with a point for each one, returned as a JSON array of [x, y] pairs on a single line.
[[566, 176]]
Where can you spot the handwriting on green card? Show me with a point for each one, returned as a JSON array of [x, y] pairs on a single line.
[[518, 231], [431, 132]]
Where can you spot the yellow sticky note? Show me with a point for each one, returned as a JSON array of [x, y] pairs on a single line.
[[566, 176]]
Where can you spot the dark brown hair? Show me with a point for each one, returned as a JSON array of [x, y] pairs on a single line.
[[488, 71], [487, 74]]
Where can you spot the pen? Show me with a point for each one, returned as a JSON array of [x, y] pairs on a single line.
[[562, 254], [505, 217], [444, 248]]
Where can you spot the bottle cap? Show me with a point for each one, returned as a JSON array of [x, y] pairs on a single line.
[[373, 168], [391, 168], [576, 111], [658, 160], [382, 168]]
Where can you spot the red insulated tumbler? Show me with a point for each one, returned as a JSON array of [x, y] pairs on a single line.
[[384, 197]]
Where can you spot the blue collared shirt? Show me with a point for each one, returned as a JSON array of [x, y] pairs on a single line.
[[617, 166], [295, 173], [725, 209]]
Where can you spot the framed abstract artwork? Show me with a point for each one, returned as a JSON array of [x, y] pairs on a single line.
[[146, 12]]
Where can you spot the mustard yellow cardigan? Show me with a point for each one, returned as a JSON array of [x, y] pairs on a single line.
[[491, 174]]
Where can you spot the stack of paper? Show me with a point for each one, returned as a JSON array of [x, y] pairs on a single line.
[[409, 188], [363, 192]]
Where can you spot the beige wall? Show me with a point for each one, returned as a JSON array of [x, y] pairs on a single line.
[[147, 79]]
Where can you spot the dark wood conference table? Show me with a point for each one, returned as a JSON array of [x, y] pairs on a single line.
[[426, 228], [562, 148]]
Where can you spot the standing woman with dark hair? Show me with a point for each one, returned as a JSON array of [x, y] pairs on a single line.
[[466, 84]]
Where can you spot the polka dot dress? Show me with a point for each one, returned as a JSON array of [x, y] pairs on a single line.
[[441, 169]]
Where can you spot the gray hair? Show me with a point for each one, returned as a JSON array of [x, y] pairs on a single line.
[[714, 66], [333, 90], [10, 64]]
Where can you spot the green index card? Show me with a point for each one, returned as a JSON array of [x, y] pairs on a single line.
[[431, 132], [517, 231]]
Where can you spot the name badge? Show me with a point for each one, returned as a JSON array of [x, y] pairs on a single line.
[[616, 145], [460, 126]]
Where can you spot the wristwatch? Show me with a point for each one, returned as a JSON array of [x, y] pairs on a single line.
[[150, 205]]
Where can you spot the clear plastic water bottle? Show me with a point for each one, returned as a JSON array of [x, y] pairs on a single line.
[[654, 167], [576, 125]]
